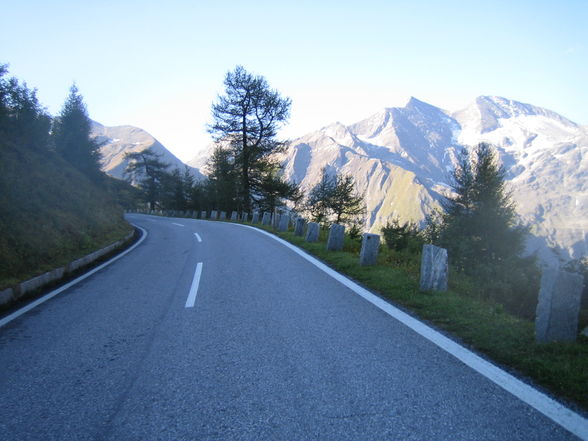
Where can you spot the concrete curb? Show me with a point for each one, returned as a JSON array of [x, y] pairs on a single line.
[[11, 295]]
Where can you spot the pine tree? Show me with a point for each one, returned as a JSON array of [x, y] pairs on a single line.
[[344, 202], [23, 121], [247, 118], [71, 135], [274, 190], [222, 180], [173, 195], [147, 171], [334, 197], [318, 200], [480, 226]]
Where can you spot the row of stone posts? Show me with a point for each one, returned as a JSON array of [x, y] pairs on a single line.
[[559, 298], [560, 295]]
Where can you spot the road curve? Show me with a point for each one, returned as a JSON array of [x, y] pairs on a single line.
[[256, 345]]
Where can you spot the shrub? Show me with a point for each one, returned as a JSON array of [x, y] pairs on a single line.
[[400, 237]]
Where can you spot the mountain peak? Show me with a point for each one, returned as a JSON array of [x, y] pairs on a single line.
[[497, 107], [416, 104]]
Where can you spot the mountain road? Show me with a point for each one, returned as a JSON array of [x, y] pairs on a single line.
[[214, 331]]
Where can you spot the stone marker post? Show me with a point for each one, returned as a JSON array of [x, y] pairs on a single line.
[[266, 218], [234, 216], [312, 232], [255, 219], [203, 215], [223, 215], [244, 217], [299, 229], [370, 245], [336, 237], [213, 215], [284, 222], [558, 308], [433, 269], [276, 218]]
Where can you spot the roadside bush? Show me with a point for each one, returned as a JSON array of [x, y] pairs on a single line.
[[400, 237], [355, 230], [514, 284]]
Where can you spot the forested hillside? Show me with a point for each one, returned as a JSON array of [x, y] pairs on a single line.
[[51, 210]]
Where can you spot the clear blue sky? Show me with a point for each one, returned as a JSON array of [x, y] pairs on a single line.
[[160, 64]]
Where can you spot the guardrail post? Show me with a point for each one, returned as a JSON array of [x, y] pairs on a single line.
[[312, 232], [266, 220], [284, 222], [370, 246], [433, 269], [336, 237], [558, 308], [300, 224]]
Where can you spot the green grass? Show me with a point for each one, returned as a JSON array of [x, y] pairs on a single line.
[[50, 214], [478, 323]]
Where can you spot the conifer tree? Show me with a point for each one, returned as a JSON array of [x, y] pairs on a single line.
[[247, 118], [480, 226], [274, 190], [334, 197], [318, 199], [71, 135], [146, 170], [222, 180], [344, 202], [23, 121]]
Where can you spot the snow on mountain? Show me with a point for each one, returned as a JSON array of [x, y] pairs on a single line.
[[117, 141], [401, 159], [546, 158]]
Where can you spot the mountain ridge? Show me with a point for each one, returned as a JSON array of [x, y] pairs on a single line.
[[116, 141], [411, 150]]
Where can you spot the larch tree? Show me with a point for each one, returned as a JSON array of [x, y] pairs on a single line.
[[344, 202], [146, 171], [247, 119], [334, 197], [318, 199], [274, 189]]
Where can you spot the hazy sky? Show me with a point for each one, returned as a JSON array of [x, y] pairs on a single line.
[[159, 65]]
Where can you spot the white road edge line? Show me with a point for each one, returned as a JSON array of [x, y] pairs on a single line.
[[68, 285], [567, 418], [194, 288], [198, 238], [179, 225]]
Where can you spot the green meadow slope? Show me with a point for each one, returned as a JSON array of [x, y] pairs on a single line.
[[50, 214]]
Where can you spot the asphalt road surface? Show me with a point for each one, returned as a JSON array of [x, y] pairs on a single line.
[[227, 334]]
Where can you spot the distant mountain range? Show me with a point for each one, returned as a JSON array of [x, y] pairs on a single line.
[[401, 159], [117, 141]]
